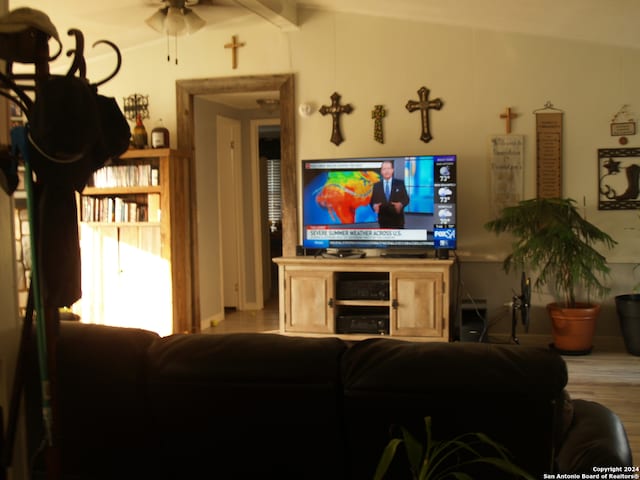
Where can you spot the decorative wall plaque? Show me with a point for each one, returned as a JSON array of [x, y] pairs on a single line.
[[626, 128], [507, 171], [623, 123], [548, 151], [619, 178]]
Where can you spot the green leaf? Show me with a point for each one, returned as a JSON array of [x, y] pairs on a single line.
[[448, 459], [387, 457], [414, 450]]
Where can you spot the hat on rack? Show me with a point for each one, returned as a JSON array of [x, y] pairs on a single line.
[[19, 21]]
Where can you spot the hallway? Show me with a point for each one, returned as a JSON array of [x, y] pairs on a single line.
[[265, 320]]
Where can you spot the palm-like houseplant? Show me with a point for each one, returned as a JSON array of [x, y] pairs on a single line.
[[552, 238], [457, 458]]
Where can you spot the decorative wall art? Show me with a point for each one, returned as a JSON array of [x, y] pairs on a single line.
[[619, 178], [234, 45], [424, 105], [378, 113], [508, 115], [623, 124], [549, 151], [507, 171], [335, 110]]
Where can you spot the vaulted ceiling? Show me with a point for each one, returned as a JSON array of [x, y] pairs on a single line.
[[611, 22]]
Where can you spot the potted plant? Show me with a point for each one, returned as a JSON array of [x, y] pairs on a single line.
[[455, 458], [553, 239], [628, 309]]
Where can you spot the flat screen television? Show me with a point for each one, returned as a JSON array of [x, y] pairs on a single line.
[[339, 200]]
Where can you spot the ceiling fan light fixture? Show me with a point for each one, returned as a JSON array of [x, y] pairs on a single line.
[[175, 21], [192, 21], [156, 21]]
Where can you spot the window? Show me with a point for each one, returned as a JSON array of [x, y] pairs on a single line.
[[274, 206]]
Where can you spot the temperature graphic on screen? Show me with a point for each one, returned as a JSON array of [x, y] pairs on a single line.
[[444, 174]]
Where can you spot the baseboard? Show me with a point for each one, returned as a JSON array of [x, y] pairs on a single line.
[[211, 321], [605, 343]]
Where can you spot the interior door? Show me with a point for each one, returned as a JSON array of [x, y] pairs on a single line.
[[229, 155]]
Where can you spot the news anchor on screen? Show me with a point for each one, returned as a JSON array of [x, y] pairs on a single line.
[[389, 197]]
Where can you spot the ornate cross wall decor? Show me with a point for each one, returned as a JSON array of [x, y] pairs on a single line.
[[378, 113], [508, 115], [424, 105], [234, 45], [335, 110]]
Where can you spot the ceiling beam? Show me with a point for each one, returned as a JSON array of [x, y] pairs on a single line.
[[282, 13]]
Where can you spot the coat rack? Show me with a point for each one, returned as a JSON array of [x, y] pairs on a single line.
[[55, 280]]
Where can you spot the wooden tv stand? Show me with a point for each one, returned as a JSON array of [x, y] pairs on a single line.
[[319, 296]]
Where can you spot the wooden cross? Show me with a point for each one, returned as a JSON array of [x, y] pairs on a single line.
[[378, 113], [335, 110], [508, 115], [424, 105], [234, 46]]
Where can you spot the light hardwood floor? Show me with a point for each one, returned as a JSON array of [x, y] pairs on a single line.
[[611, 378]]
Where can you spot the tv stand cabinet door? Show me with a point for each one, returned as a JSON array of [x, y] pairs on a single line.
[[417, 305], [309, 301]]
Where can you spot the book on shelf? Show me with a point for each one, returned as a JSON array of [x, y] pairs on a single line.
[[121, 209], [136, 175], [153, 203]]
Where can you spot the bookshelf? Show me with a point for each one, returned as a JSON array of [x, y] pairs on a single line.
[[135, 243]]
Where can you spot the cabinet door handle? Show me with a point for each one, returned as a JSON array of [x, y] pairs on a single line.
[[330, 303], [394, 303]]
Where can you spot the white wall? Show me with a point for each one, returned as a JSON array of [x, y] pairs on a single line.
[[476, 73]]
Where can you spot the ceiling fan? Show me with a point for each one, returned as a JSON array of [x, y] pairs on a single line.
[[177, 17]]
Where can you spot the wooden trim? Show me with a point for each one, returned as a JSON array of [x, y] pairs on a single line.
[[186, 90]]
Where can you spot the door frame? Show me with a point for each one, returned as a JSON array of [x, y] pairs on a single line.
[[186, 90], [259, 207]]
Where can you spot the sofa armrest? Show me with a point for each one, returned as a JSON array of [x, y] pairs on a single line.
[[595, 438]]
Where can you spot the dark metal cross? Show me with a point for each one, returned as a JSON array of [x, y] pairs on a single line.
[[335, 110], [378, 113], [424, 105]]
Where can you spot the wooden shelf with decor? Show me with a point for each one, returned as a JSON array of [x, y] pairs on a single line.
[[365, 297], [135, 243]]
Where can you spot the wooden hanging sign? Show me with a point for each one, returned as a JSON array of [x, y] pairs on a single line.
[[623, 123], [549, 151]]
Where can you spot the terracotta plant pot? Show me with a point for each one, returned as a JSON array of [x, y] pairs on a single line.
[[573, 328]]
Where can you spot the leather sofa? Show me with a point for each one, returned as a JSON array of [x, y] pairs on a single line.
[[268, 406]]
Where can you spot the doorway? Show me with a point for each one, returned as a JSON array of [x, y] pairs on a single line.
[[186, 90]]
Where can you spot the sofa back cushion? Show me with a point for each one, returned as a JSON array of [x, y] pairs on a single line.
[[510, 393], [101, 388], [248, 406]]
